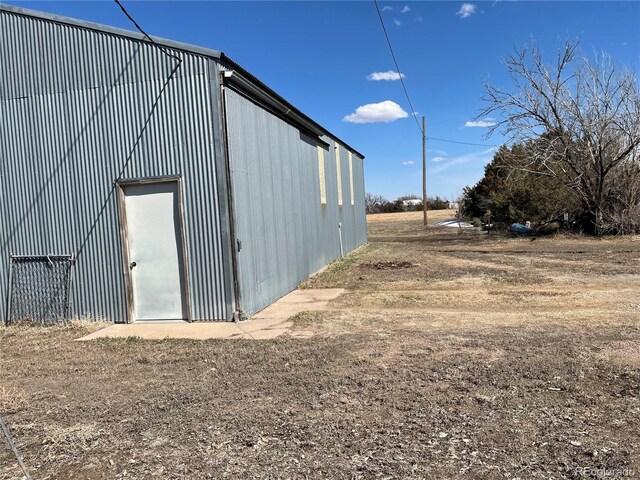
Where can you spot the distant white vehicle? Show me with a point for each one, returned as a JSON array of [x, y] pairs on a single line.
[[412, 202], [456, 224], [454, 205]]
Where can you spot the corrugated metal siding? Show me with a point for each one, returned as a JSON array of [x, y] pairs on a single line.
[[285, 232], [77, 114]]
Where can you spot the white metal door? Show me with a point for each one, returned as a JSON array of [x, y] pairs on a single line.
[[155, 251]]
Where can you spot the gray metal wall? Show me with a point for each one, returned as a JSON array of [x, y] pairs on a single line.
[[77, 113], [284, 232]]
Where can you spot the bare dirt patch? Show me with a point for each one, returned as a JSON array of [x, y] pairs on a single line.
[[624, 353], [386, 265]]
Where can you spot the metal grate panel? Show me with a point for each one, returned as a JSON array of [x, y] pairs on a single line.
[[39, 288]]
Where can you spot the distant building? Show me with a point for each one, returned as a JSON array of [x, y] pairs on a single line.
[[454, 205], [412, 202]]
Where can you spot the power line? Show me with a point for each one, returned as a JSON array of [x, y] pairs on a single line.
[[461, 143], [404, 87], [393, 55], [139, 28]]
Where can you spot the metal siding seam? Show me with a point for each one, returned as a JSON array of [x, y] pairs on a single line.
[[36, 168], [25, 173], [191, 166], [211, 250], [209, 230], [222, 192], [198, 178], [3, 156], [64, 180], [19, 171], [7, 140], [285, 156], [64, 121], [191, 185], [6, 54], [278, 152], [87, 188], [221, 280], [304, 262], [116, 156], [51, 229], [22, 59], [112, 158]]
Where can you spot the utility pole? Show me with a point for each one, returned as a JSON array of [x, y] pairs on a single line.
[[424, 170]]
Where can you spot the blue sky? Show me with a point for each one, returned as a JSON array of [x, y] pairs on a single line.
[[319, 56]]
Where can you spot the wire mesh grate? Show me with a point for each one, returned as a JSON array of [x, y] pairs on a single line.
[[39, 288]]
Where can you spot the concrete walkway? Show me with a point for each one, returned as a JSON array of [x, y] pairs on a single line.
[[271, 322]]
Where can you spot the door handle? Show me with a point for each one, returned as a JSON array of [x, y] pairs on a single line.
[[131, 265]]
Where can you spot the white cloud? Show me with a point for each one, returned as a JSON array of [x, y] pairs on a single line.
[[397, 22], [438, 152], [386, 112], [483, 156], [410, 162], [487, 122], [418, 19], [466, 10], [439, 159], [387, 8], [388, 75], [405, 9]]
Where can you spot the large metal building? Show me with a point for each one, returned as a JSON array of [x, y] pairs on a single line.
[[182, 186]]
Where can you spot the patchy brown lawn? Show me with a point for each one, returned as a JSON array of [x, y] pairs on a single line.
[[453, 355]]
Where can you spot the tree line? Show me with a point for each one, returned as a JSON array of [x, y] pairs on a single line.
[[379, 204], [574, 128]]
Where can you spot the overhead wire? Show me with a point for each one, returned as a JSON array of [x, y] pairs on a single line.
[[406, 92], [461, 143], [143, 129], [147, 36], [395, 61]]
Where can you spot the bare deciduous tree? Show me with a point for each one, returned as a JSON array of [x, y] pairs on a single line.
[[580, 122], [372, 203]]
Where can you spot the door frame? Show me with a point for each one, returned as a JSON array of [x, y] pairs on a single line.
[[124, 238]]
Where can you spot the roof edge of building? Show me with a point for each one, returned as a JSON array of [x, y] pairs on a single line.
[[186, 47], [99, 27], [269, 92]]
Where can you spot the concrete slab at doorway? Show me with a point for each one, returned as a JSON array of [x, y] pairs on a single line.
[[271, 322]]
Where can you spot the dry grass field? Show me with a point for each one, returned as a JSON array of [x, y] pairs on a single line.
[[453, 354]]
